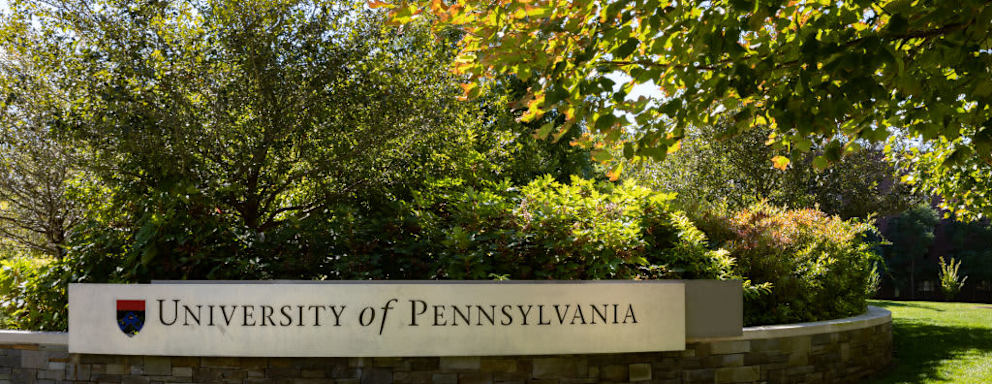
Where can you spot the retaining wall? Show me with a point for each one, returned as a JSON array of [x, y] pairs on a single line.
[[837, 351]]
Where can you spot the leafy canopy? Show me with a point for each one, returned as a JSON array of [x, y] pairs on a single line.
[[965, 186], [225, 139], [830, 73], [220, 128], [707, 170]]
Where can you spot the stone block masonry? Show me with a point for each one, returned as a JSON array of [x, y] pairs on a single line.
[[840, 351]]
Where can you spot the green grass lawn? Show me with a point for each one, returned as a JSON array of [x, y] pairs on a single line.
[[939, 343]]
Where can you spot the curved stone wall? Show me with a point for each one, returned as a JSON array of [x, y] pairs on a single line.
[[837, 351]]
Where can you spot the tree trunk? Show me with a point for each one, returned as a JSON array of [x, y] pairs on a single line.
[[912, 278]]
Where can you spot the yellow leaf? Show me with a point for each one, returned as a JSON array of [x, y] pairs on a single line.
[[537, 101], [529, 116], [437, 6], [760, 120], [471, 90], [403, 14], [563, 130], [614, 174], [533, 109], [780, 162], [771, 139], [378, 4], [543, 132]]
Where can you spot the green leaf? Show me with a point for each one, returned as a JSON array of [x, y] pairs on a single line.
[[543, 132], [601, 155], [627, 48], [833, 151], [606, 84], [554, 95], [654, 153], [605, 122], [820, 163], [628, 150], [958, 156], [148, 255]]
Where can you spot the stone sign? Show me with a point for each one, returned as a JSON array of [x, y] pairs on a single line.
[[377, 319]]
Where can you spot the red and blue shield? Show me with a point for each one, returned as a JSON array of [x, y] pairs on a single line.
[[130, 316]]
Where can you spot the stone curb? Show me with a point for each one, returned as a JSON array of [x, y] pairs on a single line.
[[8, 337], [836, 351], [874, 316]]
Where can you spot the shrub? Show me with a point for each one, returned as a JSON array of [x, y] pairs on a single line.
[[32, 294], [950, 282], [874, 281], [581, 230], [818, 266], [447, 229]]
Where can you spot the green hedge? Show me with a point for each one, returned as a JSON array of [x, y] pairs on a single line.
[[544, 230], [581, 230], [797, 265]]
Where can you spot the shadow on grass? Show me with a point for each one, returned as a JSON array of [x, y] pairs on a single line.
[[921, 348], [905, 304]]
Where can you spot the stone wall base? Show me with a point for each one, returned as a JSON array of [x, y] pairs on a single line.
[[828, 354]]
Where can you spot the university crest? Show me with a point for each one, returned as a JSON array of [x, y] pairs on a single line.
[[130, 316]]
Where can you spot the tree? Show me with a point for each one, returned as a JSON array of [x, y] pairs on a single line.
[[738, 172], [39, 172], [513, 147], [964, 185], [222, 128], [911, 234], [36, 178], [817, 74], [261, 140], [862, 183]]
